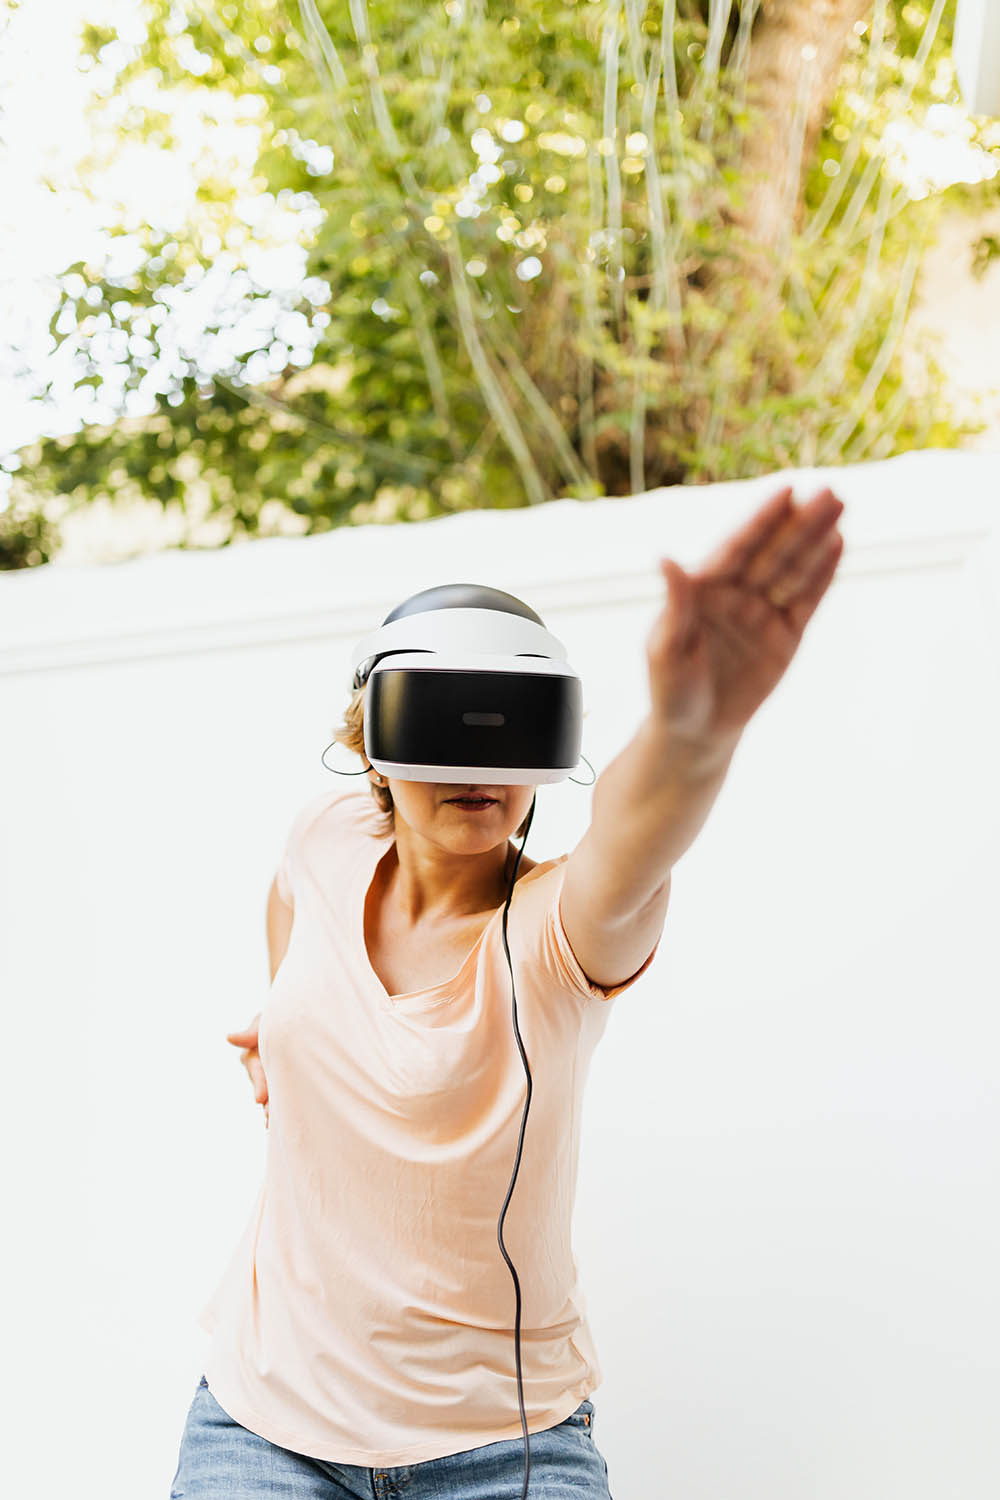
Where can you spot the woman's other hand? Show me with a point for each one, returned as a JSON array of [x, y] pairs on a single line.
[[250, 1057]]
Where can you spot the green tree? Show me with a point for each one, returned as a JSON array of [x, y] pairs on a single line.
[[585, 249]]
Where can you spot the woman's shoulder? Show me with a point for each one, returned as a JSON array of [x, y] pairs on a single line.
[[537, 869], [325, 806]]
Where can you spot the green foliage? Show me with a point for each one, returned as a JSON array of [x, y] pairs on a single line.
[[985, 250], [27, 537], [419, 367]]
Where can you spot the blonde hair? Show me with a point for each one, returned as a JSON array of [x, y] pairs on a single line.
[[352, 734]]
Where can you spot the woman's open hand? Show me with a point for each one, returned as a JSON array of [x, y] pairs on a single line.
[[730, 628], [250, 1057]]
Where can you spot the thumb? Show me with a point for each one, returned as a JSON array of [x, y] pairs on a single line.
[[680, 603], [244, 1037]]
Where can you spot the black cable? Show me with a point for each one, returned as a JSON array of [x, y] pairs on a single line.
[[517, 1164], [524, 1118]]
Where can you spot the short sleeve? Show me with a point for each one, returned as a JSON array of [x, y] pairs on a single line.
[[555, 953], [286, 874], [283, 878]]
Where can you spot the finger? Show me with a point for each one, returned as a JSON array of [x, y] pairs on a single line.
[[803, 608], [250, 1026], [248, 1036], [256, 1071], [736, 551], [682, 638], [790, 549], [675, 622]]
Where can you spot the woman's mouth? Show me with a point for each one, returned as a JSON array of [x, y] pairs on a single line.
[[473, 804]]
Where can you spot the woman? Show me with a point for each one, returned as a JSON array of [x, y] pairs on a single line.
[[363, 1332]]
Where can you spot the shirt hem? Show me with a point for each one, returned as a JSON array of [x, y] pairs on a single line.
[[241, 1412]]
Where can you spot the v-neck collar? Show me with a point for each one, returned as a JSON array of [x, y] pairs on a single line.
[[430, 995]]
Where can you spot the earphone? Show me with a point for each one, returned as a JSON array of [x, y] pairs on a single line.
[[465, 684]]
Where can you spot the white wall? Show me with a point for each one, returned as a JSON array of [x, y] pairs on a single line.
[[976, 53], [787, 1222]]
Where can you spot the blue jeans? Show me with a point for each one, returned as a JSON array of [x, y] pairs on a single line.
[[220, 1460]]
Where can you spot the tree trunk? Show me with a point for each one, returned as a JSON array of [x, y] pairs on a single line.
[[782, 30]]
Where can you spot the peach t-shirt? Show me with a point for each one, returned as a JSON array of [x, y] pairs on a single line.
[[367, 1314]]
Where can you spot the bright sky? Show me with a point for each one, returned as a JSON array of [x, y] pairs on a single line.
[[42, 95], [44, 131]]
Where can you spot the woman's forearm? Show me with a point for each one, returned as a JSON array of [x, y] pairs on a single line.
[[651, 802]]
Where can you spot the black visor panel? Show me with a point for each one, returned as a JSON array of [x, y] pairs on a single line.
[[521, 720]]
